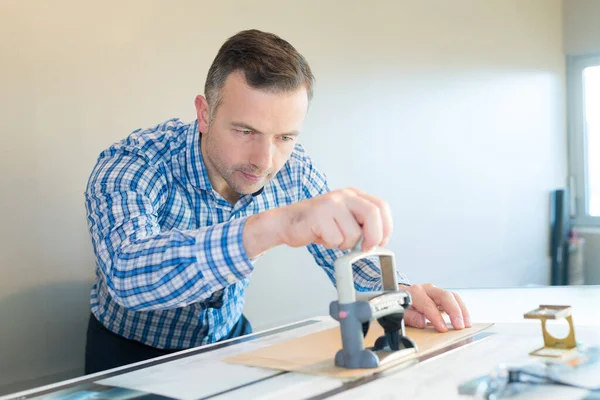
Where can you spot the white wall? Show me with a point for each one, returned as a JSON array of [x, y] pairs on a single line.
[[581, 26], [452, 111]]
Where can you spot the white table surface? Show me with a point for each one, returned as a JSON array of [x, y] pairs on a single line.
[[204, 375]]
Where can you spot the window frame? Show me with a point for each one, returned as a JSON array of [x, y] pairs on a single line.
[[577, 139]]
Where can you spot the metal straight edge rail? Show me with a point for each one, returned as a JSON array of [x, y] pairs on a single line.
[[89, 381]]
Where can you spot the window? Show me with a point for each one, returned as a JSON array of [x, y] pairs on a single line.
[[584, 137]]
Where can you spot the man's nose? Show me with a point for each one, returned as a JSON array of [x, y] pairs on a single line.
[[262, 154]]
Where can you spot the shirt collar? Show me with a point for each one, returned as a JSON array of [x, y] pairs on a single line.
[[195, 166]]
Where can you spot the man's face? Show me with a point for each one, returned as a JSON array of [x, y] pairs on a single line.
[[251, 136]]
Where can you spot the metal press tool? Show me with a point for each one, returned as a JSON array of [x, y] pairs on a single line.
[[355, 311]]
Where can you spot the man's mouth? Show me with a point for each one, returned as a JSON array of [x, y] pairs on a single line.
[[251, 177]]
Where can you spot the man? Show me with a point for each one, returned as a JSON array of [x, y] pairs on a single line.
[[178, 213]]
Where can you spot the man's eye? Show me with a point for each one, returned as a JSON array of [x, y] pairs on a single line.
[[247, 132], [287, 138]]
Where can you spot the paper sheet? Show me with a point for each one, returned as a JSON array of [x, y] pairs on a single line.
[[314, 353]]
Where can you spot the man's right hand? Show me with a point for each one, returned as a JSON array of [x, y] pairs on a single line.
[[337, 219]]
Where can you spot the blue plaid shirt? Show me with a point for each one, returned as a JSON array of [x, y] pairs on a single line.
[[171, 269]]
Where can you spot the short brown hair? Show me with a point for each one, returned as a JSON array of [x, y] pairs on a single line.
[[267, 61]]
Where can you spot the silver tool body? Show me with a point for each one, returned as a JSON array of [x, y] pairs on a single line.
[[355, 311]]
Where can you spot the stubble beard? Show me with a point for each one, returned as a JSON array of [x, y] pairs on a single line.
[[228, 173]]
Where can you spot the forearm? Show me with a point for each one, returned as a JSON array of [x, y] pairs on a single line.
[[175, 268], [262, 232]]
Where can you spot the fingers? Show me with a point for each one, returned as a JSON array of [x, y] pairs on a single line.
[[337, 220], [430, 302], [448, 303], [423, 303], [329, 233], [386, 215], [368, 215], [373, 215], [463, 309], [339, 228], [335, 225], [415, 319], [349, 228]]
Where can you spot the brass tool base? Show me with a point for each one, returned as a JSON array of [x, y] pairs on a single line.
[[554, 347]]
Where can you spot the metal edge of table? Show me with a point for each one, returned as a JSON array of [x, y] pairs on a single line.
[[90, 379], [346, 385], [394, 369]]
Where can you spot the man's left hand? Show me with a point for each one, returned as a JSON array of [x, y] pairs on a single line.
[[429, 302]]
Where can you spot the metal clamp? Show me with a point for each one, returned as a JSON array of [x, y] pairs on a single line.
[[355, 316]]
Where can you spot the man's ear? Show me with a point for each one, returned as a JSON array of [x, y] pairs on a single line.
[[202, 113]]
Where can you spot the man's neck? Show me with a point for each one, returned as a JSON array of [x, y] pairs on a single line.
[[229, 195]]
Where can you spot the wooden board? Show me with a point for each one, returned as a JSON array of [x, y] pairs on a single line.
[[314, 353]]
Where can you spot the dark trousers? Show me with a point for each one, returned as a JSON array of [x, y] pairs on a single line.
[[105, 349]]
